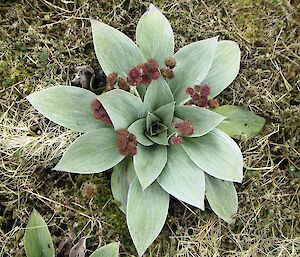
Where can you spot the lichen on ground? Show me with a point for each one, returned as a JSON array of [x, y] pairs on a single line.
[[43, 42]]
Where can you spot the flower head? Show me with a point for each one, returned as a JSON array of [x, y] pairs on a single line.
[[126, 142], [100, 113], [184, 128]]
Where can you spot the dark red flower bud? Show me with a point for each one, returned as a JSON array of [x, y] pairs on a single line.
[[170, 62], [189, 91], [195, 97], [126, 142], [203, 101], [154, 74], [134, 75], [176, 140], [100, 113], [145, 79], [184, 128], [95, 104], [205, 90], [152, 64]]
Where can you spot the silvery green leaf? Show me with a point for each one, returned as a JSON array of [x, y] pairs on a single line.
[[222, 198], [150, 119], [93, 152], [224, 68], [161, 138], [182, 178], [216, 154], [202, 119], [157, 95], [67, 106], [115, 51], [37, 241], [146, 213], [122, 107], [240, 123], [166, 113], [192, 65], [138, 128], [110, 250], [149, 162], [121, 177], [154, 35]]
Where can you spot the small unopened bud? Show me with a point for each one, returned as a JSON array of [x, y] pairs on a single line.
[[205, 90], [109, 86], [189, 91], [123, 84], [134, 75], [212, 103], [170, 62], [167, 73], [112, 78], [176, 140]]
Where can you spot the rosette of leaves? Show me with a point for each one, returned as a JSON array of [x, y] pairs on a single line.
[[156, 137]]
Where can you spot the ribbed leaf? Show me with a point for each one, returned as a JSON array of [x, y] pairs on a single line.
[[93, 152], [121, 177], [138, 128], [115, 51], [192, 64], [216, 154], [222, 198], [110, 250], [38, 242], [122, 107], [67, 106], [166, 113], [158, 94], [203, 120], [154, 35], [240, 123], [146, 213], [182, 178], [224, 68], [148, 169]]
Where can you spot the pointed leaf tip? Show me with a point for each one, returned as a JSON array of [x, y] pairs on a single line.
[[146, 213]]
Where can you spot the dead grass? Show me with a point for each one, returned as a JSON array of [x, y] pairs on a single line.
[[42, 42]]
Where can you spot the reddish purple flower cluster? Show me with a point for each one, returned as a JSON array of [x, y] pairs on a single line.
[[183, 128], [144, 73], [199, 95], [126, 142], [100, 113], [176, 140]]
